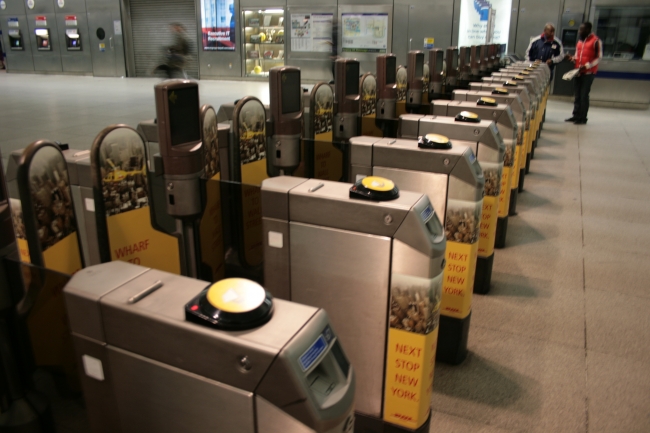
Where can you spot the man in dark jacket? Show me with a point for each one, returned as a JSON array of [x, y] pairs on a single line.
[[546, 48]]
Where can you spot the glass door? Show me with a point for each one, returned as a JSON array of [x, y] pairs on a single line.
[[263, 40]]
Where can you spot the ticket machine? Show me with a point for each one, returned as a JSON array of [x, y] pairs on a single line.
[[165, 353], [415, 81], [489, 148], [385, 113], [488, 108], [356, 249]]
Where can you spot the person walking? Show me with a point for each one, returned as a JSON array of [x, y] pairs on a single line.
[[175, 55], [589, 51], [546, 48]]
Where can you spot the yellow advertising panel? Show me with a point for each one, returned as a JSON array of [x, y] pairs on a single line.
[[132, 239], [410, 362], [64, 255], [504, 195], [458, 280], [328, 160], [488, 228], [411, 350]]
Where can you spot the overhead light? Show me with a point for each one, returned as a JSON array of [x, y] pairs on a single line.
[[274, 11]]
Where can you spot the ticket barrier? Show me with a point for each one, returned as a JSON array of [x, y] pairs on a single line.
[[475, 63], [543, 74], [415, 81], [448, 173], [23, 408], [534, 86], [484, 66], [451, 71], [385, 112], [502, 115], [354, 250], [464, 67], [515, 103], [489, 148], [166, 353], [530, 103]]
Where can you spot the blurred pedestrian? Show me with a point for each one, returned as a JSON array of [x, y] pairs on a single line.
[[175, 55]]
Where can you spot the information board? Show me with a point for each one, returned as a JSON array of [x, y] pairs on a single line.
[[474, 19], [364, 32], [218, 24], [312, 32]]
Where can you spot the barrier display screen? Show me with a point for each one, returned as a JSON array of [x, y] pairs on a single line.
[[419, 66], [352, 79], [391, 70], [184, 116], [291, 92]]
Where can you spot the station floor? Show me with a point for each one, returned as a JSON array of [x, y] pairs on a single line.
[[560, 344]]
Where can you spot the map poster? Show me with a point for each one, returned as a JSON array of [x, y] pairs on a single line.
[[364, 32], [311, 32]]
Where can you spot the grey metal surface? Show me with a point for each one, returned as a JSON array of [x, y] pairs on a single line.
[[502, 115], [275, 196], [277, 270], [74, 61], [434, 185], [16, 60], [361, 151], [152, 396], [333, 277], [45, 61], [405, 153], [86, 288], [108, 61], [155, 327], [533, 15], [325, 206], [275, 420], [409, 125], [287, 379]]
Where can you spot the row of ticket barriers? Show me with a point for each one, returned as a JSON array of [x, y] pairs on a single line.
[[206, 246]]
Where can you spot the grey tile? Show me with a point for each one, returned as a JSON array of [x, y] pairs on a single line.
[[635, 187], [606, 233], [618, 324], [614, 168], [442, 422], [548, 307], [616, 208], [515, 383], [618, 391], [617, 271]]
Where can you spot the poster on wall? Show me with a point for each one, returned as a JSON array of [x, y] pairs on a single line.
[[483, 21], [364, 32], [218, 22], [312, 32]]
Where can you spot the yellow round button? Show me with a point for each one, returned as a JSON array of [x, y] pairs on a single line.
[[501, 89], [437, 138], [236, 295], [488, 100], [469, 115], [376, 183]]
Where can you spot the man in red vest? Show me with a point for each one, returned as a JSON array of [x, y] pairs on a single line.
[[588, 54]]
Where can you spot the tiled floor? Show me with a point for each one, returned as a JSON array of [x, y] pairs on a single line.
[[562, 342]]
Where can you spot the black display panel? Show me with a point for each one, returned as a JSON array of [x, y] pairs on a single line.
[[291, 92], [340, 358], [438, 64], [570, 38], [351, 79], [184, 124], [419, 66], [468, 56], [391, 70], [454, 60]]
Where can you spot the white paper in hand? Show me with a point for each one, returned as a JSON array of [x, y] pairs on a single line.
[[570, 75]]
